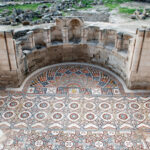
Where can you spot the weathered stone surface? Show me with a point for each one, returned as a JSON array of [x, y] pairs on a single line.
[[26, 51], [93, 16]]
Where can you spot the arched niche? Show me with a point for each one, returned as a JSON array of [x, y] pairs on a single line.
[[74, 30], [60, 22], [56, 35], [110, 42], [93, 34], [38, 38]]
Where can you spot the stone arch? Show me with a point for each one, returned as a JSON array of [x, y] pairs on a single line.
[[93, 34], [38, 38], [56, 35], [80, 20], [60, 22], [74, 30]]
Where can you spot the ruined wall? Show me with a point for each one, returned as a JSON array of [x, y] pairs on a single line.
[[8, 64], [139, 60], [114, 50], [61, 44]]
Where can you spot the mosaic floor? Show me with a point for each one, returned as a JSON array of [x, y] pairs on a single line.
[[74, 107]]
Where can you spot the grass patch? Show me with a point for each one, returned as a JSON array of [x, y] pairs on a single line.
[[64, 13], [112, 6], [115, 1], [35, 19], [126, 10], [23, 7], [84, 8]]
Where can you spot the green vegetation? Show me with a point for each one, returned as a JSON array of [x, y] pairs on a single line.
[[87, 2], [23, 7], [35, 18], [126, 10], [115, 1], [113, 4], [64, 13]]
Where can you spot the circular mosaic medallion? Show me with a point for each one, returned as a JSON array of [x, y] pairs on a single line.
[[111, 132], [134, 105], [1, 103], [55, 132], [147, 105], [13, 104], [1, 133], [128, 144], [57, 116], [39, 143], [83, 132], [138, 116], [28, 104], [74, 105], [24, 115], [68, 144], [89, 106], [120, 106], [104, 106], [27, 131], [107, 116], [123, 116], [8, 114], [9, 142], [1, 146], [148, 139], [59, 105], [40, 116], [98, 144], [43, 105], [90, 116], [73, 116]]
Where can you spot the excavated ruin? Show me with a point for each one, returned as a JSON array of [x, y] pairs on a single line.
[[72, 40]]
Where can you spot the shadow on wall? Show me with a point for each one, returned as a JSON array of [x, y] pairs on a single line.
[[56, 35], [74, 31]]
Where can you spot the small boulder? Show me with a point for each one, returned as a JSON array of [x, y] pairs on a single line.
[[26, 23], [133, 17]]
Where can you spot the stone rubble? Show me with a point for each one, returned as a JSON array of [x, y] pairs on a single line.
[[43, 14], [141, 15]]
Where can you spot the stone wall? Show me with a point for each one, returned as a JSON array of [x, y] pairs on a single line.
[[71, 41], [93, 16], [139, 58], [8, 64]]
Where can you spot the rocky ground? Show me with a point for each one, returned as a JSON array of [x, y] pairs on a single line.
[[136, 5], [15, 14], [98, 14]]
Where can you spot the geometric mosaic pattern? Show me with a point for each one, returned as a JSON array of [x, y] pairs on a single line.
[[75, 78], [61, 109]]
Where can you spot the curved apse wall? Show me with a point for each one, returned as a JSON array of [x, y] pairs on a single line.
[[70, 40]]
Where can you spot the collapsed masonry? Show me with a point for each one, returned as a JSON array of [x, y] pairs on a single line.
[[70, 40]]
